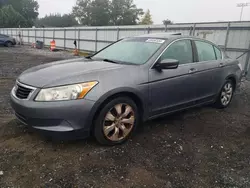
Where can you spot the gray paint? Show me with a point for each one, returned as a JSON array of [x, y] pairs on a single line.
[[160, 91]]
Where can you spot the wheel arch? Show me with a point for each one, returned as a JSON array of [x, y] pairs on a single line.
[[120, 92], [233, 79], [7, 41]]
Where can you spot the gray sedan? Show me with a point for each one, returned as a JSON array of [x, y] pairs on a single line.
[[135, 79]]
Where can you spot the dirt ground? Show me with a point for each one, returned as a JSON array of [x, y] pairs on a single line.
[[198, 148]]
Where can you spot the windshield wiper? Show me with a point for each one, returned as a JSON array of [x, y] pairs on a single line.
[[88, 57], [111, 61]]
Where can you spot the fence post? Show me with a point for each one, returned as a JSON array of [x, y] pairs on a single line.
[[22, 42], [190, 31], [194, 27], [79, 36], [35, 35], [148, 29], [166, 27], [118, 33], [53, 34], [247, 60], [43, 36], [64, 39], [28, 36], [96, 35], [227, 35]]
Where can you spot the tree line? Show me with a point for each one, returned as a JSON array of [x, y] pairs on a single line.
[[24, 13], [15, 13], [99, 13]]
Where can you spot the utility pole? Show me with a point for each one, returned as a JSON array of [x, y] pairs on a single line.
[[242, 5]]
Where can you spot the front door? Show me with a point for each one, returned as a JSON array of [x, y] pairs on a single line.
[[171, 89]]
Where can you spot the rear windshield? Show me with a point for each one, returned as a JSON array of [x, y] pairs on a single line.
[[133, 50]]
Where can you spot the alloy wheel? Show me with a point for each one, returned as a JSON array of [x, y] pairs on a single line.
[[119, 122], [226, 94]]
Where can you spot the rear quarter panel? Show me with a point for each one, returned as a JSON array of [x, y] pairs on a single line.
[[231, 70]]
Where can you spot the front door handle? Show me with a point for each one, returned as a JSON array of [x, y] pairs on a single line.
[[221, 65], [192, 70]]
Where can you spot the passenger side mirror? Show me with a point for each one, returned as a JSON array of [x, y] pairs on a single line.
[[168, 64]]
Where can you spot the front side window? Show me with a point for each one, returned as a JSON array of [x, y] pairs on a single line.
[[133, 51], [205, 51], [218, 53], [179, 50]]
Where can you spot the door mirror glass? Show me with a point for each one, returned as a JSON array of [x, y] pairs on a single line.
[[168, 64]]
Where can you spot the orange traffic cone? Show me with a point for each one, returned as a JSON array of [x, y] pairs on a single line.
[[52, 45], [76, 52], [33, 45]]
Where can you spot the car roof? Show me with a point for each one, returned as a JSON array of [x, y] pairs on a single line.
[[171, 36], [162, 35]]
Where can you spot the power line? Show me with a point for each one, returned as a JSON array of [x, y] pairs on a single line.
[[242, 5]]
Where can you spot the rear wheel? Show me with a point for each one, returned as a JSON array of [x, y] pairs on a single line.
[[8, 44], [226, 95], [117, 121]]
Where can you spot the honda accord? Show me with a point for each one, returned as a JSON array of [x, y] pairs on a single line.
[[132, 80]]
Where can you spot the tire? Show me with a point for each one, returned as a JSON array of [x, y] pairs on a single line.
[[226, 94], [8, 44], [116, 122]]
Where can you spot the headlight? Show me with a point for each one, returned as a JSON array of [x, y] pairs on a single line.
[[69, 92]]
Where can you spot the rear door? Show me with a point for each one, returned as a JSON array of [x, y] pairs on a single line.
[[171, 89], [206, 72]]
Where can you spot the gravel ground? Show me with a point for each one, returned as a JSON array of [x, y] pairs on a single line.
[[202, 147]]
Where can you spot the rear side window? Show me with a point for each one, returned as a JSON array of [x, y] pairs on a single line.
[[180, 50], [218, 53], [205, 51]]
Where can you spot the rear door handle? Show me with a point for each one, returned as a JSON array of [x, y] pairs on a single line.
[[192, 70]]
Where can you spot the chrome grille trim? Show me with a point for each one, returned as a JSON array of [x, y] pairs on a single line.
[[23, 86]]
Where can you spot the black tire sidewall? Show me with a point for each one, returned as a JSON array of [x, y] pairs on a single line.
[[98, 123], [9, 44], [218, 101]]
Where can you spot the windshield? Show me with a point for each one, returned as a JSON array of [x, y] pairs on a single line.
[[133, 51]]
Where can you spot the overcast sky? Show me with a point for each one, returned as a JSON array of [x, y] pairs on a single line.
[[175, 10]]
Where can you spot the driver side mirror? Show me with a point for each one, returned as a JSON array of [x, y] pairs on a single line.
[[168, 64]]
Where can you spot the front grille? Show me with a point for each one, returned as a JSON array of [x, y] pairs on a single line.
[[23, 92]]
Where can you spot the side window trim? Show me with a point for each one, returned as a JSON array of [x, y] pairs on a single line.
[[159, 57], [215, 53], [221, 54], [195, 52]]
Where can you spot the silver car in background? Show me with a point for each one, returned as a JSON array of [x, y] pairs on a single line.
[[7, 40], [135, 79]]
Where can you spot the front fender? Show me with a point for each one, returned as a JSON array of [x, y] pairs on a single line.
[[117, 91]]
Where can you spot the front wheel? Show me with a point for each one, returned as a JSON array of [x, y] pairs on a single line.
[[116, 122], [226, 95]]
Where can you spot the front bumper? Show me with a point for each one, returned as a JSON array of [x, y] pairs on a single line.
[[55, 117]]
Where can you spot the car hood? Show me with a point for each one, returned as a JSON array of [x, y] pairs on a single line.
[[65, 72]]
